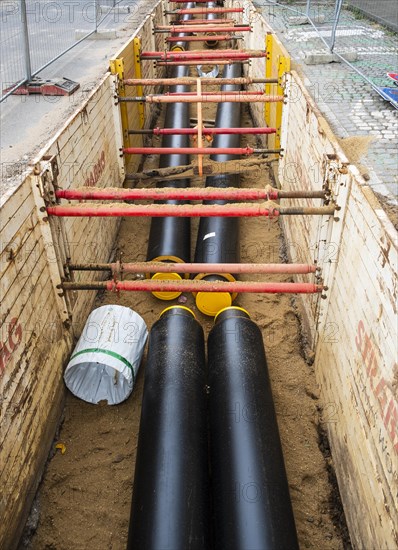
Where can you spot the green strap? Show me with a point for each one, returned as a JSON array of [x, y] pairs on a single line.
[[106, 352]]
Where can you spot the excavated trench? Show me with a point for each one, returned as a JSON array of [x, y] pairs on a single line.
[[85, 495]]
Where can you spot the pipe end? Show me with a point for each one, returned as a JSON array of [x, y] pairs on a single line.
[[211, 303], [232, 311], [166, 277], [177, 309]]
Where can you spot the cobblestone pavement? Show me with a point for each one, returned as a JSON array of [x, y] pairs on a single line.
[[349, 103], [383, 11]]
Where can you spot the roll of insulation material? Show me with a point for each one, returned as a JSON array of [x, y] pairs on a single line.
[[106, 359]]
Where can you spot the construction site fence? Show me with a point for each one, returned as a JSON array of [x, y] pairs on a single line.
[[359, 32], [36, 33]]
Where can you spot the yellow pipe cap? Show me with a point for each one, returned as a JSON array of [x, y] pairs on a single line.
[[210, 303], [166, 277]]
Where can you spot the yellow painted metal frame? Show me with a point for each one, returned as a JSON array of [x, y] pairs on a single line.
[[116, 67], [277, 64], [138, 74]]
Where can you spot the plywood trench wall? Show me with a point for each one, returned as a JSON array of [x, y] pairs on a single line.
[[353, 331], [38, 326]]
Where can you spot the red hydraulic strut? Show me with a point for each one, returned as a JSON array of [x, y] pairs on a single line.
[[186, 194], [233, 210], [164, 267], [162, 210], [159, 193], [206, 94], [184, 1], [198, 286], [204, 55], [211, 62], [176, 29], [215, 37], [205, 131], [190, 150], [226, 97], [204, 11], [206, 22]]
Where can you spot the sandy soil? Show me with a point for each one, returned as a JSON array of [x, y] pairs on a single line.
[[84, 500]]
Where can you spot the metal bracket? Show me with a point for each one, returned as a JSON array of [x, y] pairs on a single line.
[[40, 179], [117, 68], [277, 65], [138, 74]]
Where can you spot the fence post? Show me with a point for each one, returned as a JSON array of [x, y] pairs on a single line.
[[97, 14], [337, 13], [28, 65], [307, 11]]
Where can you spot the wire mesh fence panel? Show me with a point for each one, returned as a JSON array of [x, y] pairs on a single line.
[[345, 91], [382, 11], [122, 11], [343, 27], [52, 27], [12, 56], [307, 24], [372, 47], [34, 33]]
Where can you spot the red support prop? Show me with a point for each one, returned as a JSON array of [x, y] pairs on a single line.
[[207, 28], [247, 151], [226, 97], [162, 210], [218, 286], [204, 11], [203, 55], [185, 285], [206, 22], [205, 94], [215, 37], [167, 193], [208, 131], [191, 63], [184, 1], [165, 267]]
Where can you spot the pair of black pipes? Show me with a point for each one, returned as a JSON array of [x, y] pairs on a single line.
[[233, 493], [218, 238], [227, 491]]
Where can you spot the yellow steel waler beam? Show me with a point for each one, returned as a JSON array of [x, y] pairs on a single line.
[[116, 67], [268, 74], [138, 74], [283, 68], [277, 64]]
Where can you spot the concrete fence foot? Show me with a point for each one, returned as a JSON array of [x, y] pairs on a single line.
[[103, 34], [322, 58]]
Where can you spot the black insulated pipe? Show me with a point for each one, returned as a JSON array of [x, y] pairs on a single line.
[[211, 16], [251, 501], [170, 238], [170, 505], [218, 238]]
